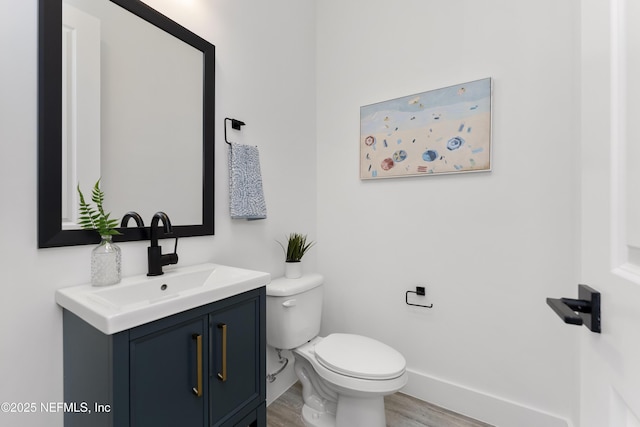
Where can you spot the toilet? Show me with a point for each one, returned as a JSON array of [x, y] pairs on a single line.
[[344, 377]]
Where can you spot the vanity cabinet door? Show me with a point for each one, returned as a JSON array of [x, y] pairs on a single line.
[[237, 371], [146, 376], [167, 376]]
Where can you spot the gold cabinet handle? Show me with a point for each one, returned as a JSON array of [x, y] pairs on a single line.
[[197, 390], [222, 376]]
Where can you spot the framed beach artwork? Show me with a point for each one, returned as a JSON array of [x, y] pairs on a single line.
[[441, 131]]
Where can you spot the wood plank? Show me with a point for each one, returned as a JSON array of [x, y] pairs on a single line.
[[401, 410]]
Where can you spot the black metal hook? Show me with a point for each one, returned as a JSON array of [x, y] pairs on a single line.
[[419, 291], [235, 124]]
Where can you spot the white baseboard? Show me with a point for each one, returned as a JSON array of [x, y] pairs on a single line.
[[277, 388], [284, 380], [480, 406]]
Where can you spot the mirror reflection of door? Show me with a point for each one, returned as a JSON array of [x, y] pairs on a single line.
[[80, 107], [132, 114]]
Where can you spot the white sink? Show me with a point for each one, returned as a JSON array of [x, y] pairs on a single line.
[[142, 299], [147, 290]]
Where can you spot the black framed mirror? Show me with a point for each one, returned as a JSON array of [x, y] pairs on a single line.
[[52, 155]]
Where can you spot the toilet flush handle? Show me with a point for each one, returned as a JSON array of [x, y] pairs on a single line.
[[289, 303]]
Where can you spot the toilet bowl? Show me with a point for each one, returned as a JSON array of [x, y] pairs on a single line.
[[344, 377]]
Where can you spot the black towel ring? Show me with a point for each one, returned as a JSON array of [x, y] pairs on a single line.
[[235, 124]]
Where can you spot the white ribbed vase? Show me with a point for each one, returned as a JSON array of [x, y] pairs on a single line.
[[293, 270]]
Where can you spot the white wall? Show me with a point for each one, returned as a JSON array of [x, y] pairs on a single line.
[[490, 247], [265, 73]]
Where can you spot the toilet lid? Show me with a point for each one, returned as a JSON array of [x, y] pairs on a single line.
[[359, 357]]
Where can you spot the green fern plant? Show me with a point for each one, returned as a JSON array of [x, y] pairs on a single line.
[[297, 246], [95, 218]]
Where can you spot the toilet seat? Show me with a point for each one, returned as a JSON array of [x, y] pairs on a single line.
[[359, 357]]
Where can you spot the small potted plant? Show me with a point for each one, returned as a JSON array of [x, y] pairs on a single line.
[[297, 246], [106, 257]]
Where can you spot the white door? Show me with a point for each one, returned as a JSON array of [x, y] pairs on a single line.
[[80, 108], [610, 256]]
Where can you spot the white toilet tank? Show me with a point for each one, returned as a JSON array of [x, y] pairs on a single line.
[[294, 310]]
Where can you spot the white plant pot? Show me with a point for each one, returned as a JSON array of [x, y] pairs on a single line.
[[293, 270]]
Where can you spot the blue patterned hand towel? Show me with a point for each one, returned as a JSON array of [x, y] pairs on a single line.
[[245, 183]]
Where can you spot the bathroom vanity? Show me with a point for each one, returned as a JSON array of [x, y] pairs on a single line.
[[202, 366]]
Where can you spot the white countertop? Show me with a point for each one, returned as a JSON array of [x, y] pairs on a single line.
[[141, 299]]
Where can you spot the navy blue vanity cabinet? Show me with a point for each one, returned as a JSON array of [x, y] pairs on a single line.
[[235, 377], [166, 374], [204, 367]]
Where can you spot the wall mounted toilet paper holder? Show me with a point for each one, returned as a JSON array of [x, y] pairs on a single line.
[[419, 291]]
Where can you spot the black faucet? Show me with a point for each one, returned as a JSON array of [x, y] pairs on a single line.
[[136, 217], [155, 257]]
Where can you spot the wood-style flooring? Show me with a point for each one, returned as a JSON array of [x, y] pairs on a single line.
[[401, 411]]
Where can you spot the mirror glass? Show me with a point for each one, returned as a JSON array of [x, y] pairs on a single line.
[[134, 101]]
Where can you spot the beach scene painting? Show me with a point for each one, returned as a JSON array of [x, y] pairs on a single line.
[[441, 131]]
